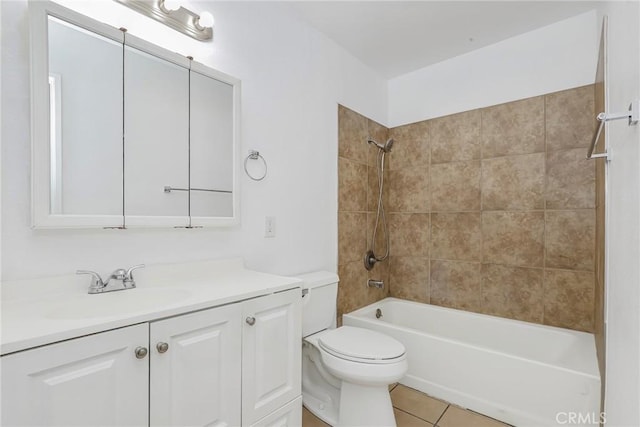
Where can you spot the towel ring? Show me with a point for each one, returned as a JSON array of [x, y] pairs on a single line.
[[255, 155]]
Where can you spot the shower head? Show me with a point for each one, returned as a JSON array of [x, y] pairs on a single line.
[[386, 147]]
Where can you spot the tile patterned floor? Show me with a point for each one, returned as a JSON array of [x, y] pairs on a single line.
[[415, 409]]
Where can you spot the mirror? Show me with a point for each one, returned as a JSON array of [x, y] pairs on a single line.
[[85, 99], [156, 123], [126, 133], [211, 125]]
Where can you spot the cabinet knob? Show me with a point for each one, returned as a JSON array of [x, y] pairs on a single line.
[[162, 347], [141, 352], [251, 320]]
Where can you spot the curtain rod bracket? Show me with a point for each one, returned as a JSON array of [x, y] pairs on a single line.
[[633, 115]]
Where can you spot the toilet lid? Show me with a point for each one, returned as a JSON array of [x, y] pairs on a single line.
[[359, 343]]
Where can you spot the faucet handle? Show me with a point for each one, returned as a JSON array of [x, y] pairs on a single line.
[[96, 281], [128, 278], [135, 267]]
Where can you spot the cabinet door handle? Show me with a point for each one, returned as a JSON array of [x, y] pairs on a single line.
[[251, 320], [141, 352], [162, 347]]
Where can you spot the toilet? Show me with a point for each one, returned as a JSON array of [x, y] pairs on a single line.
[[346, 371]]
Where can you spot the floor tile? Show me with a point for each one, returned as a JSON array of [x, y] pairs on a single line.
[[310, 420], [407, 420], [417, 403], [458, 417], [392, 386]]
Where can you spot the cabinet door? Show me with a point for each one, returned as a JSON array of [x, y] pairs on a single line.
[[91, 381], [195, 381], [289, 415], [85, 141], [156, 145], [271, 353], [211, 147], [76, 119]]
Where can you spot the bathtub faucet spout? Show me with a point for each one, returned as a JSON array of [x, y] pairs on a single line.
[[375, 283]]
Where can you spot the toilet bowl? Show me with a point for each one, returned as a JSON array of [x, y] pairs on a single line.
[[350, 385], [346, 371]]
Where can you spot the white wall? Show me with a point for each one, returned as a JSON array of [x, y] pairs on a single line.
[[552, 58], [622, 394], [293, 78]]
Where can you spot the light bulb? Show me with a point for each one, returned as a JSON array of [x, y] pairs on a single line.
[[206, 19], [171, 5]]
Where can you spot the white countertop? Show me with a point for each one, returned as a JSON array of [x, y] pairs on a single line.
[[43, 311]]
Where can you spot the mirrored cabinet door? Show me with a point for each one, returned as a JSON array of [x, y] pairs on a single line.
[[85, 121], [212, 133], [156, 148]]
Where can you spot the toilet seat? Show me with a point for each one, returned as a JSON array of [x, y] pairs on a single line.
[[361, 345]]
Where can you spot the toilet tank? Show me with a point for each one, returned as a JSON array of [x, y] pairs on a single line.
[[319, 298]]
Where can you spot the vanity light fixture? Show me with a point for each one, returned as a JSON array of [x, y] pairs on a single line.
[[200, 27]]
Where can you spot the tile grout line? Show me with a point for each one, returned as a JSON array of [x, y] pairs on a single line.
[[430, 191], [413, 415], [367, 191], [515, 155], [482, 305], [467, 261], [487, 211], [544, 223], [442, 415]]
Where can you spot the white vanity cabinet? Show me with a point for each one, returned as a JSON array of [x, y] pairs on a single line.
[[289, 415], [93, 380], [232, 365], [271, 355], [195, 368]]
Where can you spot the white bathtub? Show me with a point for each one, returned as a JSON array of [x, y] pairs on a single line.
[[518, 372]]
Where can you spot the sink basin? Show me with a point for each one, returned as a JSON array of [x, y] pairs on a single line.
[[117, 303]]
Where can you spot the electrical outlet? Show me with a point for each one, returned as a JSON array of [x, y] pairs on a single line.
[[269, 226]]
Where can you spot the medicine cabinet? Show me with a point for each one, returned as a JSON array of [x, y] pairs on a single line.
[[126, 133]]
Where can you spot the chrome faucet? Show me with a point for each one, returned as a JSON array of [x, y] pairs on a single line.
[[372, 283], [99, 286]]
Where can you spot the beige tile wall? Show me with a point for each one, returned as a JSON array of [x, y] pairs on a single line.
[[357, 201], [490, 210], [493, 210]]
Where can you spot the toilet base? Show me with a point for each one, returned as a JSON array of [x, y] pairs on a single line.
[[326, 413], [365, 406]]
